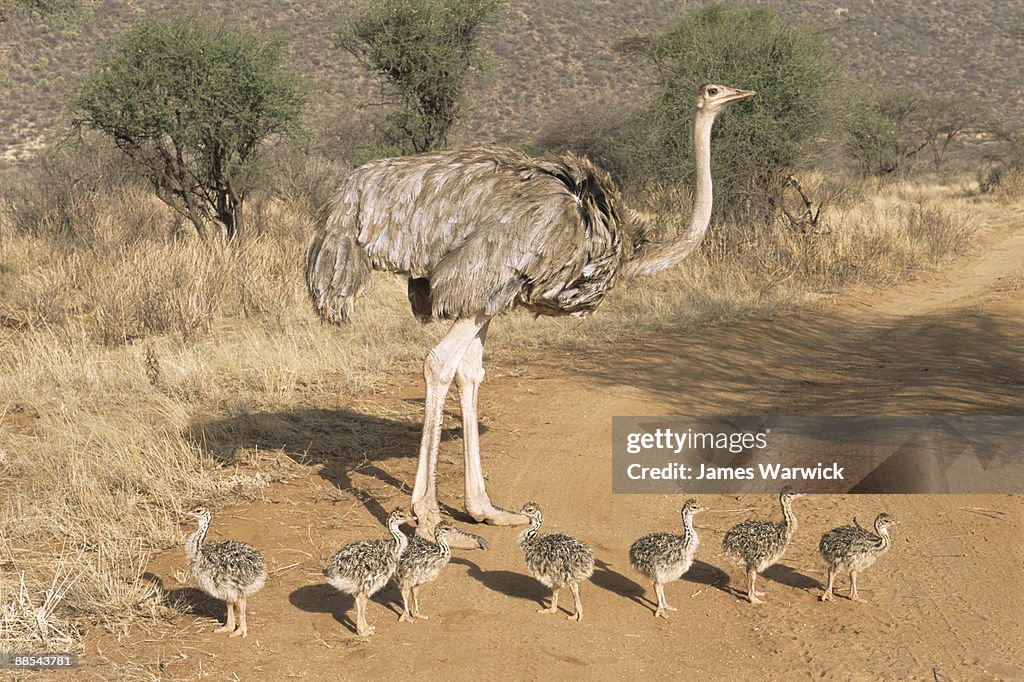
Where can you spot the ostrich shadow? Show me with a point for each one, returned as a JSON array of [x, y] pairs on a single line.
[[322, 598], [343, 441]]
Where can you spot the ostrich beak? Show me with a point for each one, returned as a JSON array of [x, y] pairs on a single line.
[[741, 94]]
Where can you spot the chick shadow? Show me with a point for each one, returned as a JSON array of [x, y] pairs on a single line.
[[607, 578], [786, 575], [700, 572], [189, 601], [706, 574], [322, 598], [343, 441], [509, 583]]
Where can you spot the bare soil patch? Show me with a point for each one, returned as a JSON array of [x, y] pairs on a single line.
[[943, 605]]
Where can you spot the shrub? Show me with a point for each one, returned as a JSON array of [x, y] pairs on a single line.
[[427, 51], [190, 102], [888, 128], [756, 145]]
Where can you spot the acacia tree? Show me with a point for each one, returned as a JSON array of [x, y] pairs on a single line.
[[190, 102], [890, 126], [755, 150], [942, 120], [882, 135], [426, 50]]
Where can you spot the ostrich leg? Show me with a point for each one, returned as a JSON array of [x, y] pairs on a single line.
[[438, 372], [469, 376]]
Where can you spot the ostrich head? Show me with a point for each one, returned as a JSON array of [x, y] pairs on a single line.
[[714, 97], [692, 507], [883, 522], [199, 513], [445, 530], [398, 517], [532, 511], [788, 494]]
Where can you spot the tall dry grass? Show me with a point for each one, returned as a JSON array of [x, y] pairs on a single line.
[[118, 332]]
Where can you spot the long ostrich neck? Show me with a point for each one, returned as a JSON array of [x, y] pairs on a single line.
[[401, 541], [883, 534], [657, 256], [441, 540], [788, 517], [195, 541], [528, 535], [688, 525]]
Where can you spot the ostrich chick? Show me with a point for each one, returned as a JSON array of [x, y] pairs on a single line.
[[760, 544], [664, 557], [229, 570], [422, 562], [555, 560], [851, 549], [363, 567]]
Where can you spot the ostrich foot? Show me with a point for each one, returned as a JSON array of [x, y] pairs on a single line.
[[826, 596], [240, 632], [669, 608], [366, 631], [421, 616], [857, 598], [461, 540], [660, 613], [752, 598], [225, 628], [406, 617], [575, 616], [495, 516], [550, 609], [427, 517]]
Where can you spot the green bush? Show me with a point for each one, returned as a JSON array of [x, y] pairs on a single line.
[[755, 144], [427, 51], [190, 101]]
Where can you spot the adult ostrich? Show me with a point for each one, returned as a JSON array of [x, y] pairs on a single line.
[[479, 231]]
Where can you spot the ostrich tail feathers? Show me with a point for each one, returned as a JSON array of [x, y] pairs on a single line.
[[336, 267]]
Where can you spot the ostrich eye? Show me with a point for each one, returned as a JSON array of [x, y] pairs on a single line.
[[712, 91]]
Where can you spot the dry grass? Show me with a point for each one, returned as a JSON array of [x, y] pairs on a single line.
[[879, 235], [1009, 189], [118, 337]]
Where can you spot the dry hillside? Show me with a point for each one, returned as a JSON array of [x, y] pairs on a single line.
[[556, 59]]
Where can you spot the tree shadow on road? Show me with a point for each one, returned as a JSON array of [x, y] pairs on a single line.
[[347, 443]]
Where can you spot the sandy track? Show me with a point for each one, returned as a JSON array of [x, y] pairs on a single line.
[[944, 605]]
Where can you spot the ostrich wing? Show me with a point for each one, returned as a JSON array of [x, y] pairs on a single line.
[[488, 227]]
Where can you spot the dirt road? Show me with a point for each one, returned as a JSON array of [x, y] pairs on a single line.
[[945, 604]]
